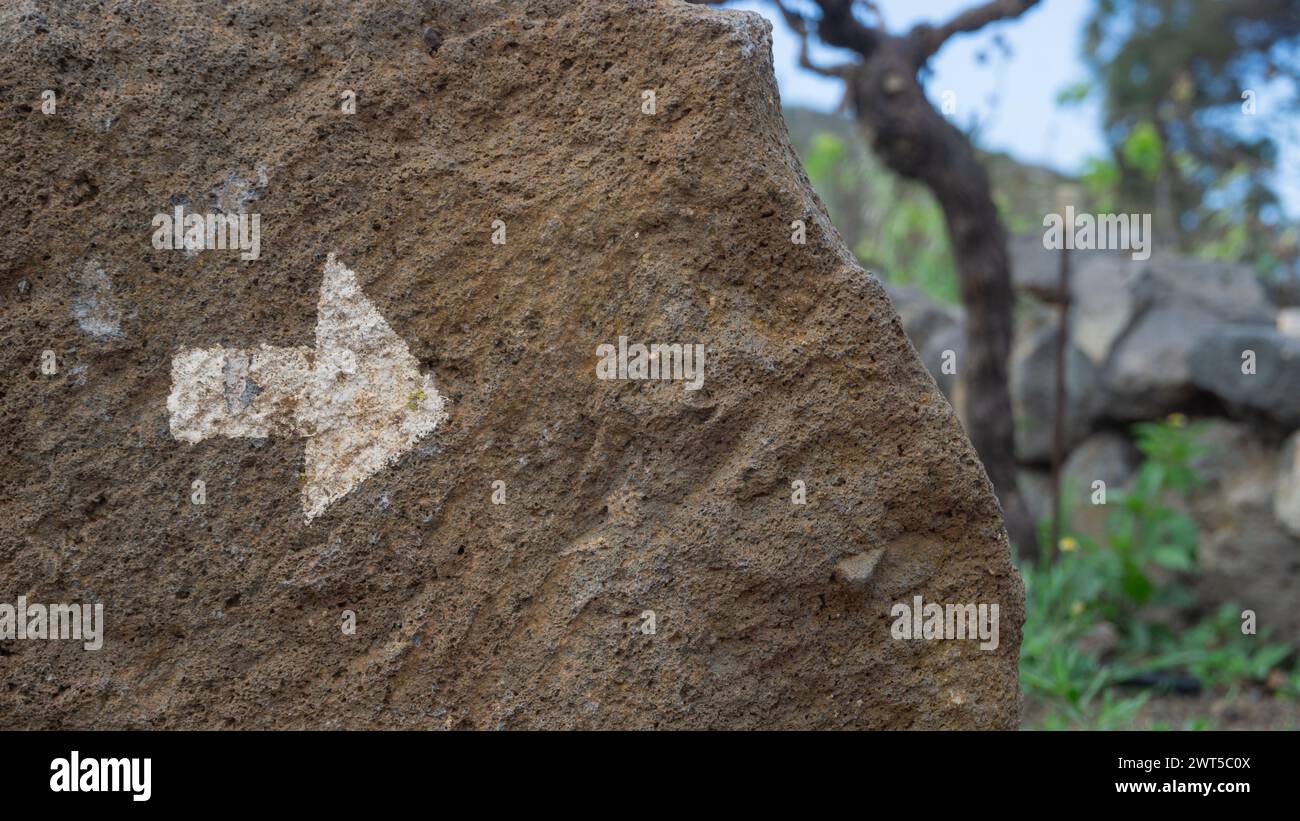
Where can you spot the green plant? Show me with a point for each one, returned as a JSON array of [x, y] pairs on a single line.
[[1143, 150], [1110, 589], [1105, 711], [1146, 532]]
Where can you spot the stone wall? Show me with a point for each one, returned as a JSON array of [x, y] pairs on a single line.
[[1148, 339]]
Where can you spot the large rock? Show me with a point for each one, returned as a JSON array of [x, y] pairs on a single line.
[[1139, 320], [1144, 323], [1109, 291], [1036, 270], [1286, 495], [1253, 369], [1102, 306], [1105, 456], [1036, 487], [1245, 555], [618, 497], [1288, 322], [1230, 291], [1150, 373], [1033, 394]]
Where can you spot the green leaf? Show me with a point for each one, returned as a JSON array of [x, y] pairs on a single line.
[[1173, 558], [1074, 93], [1137, 586], [827, 152], [1144, 150]]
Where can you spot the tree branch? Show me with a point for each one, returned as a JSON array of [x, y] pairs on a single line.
[[838, 27], [800, 26], [927, 39]]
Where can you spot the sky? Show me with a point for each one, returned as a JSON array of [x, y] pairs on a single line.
[[1013, 98]]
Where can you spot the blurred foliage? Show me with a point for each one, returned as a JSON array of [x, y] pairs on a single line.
[[910, 244], [1197, 95], [1101, 615], [905, 243], [895, 226], [1144, 152]]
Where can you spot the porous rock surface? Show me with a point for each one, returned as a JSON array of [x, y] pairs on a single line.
[[621, 497]]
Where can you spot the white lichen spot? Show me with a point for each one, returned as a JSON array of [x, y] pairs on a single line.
[[749, 30], [234, 194], [93, 306]]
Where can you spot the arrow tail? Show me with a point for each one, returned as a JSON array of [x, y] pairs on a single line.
[[237, 392]]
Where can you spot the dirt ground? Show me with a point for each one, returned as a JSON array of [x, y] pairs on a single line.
[[1247, 709]]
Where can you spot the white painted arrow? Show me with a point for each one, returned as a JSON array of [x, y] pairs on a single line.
[[358, 396]]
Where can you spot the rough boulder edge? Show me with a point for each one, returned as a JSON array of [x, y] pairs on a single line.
[[622, 497]]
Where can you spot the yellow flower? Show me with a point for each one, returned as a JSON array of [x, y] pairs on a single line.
[[1069, 544], [1176, 420], [1076, 608]]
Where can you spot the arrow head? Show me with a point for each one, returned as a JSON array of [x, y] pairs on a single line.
[[367, 402]]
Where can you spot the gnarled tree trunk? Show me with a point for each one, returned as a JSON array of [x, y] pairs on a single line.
[[915, 141]]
